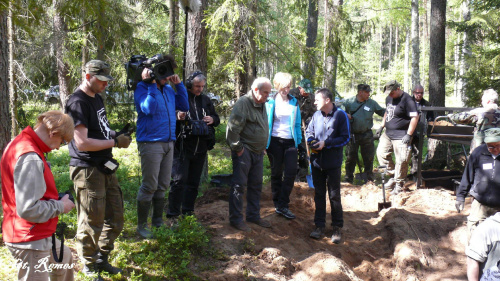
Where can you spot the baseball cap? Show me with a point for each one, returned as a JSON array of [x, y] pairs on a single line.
[[391, 86], [492, 135], [306, 85], [99, 69]]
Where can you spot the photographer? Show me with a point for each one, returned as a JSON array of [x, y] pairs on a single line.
[[30, 199], [156, 103], [191, 150]]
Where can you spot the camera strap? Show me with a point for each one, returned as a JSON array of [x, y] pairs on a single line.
[[54, 250]]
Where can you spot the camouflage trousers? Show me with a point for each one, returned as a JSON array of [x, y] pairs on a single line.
[[402, 153], [363, 142], [99, 205]]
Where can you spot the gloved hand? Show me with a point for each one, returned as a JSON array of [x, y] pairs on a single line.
[[378, 133], [123, 131], [123, 141], [459, 205], [406, 139]]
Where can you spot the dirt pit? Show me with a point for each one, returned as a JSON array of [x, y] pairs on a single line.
[[421, 237]]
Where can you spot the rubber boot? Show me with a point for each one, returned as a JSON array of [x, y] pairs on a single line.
[[158, 205], [103, 264], [142, 219]]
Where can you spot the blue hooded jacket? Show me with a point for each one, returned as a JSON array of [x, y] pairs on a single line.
[[295, 121], [333, 129], [156, 111]]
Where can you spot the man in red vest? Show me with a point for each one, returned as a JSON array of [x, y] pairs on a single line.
[[30, 199]]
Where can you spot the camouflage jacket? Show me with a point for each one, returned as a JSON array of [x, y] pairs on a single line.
[[482, 118], [306, 104]]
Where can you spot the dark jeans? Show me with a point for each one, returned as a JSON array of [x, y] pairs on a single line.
[[186, 174], [247, 174], [321, 180], [283, 158], [364, 142]]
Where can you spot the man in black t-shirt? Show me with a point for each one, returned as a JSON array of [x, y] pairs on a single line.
[[400, 121], [92, 169]]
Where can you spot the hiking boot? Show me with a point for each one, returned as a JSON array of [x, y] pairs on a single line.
[[102, 264], [172, 222], [90, 271], [348, 179], [261, 222], [398, 189], [390, 183], [337, 235], [241, 226], [142, 219], [285, 212], [317, 233]]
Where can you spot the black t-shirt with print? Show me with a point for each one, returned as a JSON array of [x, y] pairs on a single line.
[[90, 112], [399, 113]]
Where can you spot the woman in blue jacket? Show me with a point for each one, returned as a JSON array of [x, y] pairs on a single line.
[[156, 103], [285, 135]]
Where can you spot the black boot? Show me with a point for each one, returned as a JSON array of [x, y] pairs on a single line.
[[158, 205], [103, 265], [90, 271], [142, 219]]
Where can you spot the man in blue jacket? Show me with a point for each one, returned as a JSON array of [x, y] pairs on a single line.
[[156, 103], [327, 134]]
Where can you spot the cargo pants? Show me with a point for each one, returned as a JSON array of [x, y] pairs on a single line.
[[363, 141], [402, 154], [99, 206]]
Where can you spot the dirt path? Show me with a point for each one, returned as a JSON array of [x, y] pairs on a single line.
[[421, 237]]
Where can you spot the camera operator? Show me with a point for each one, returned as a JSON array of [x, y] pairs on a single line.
[[191, 150], [156, 103], [30, 199]]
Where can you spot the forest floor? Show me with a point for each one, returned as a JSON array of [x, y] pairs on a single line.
[[421, 237]]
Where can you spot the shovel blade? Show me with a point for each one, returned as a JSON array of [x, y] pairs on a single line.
[[384, 205]]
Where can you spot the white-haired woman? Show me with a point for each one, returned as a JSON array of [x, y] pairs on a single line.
[[284, 136]]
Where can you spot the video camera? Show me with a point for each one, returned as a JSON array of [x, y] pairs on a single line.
[[161, 68]]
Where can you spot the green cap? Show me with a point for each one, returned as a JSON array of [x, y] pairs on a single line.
[[364, 87], [492, 135], [391, 86], [306, 85], [99, 69]]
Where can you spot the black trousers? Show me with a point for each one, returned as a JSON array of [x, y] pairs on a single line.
[[324, 180], [283, 158], [186, 173]]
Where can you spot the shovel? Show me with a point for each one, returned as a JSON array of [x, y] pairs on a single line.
[[384, 204], [308, 176]]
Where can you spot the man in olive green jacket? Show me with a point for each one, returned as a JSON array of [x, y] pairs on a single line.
[[360, 110], [247, 133]]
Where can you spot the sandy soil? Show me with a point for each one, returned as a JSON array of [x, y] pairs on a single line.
[[421, 237]]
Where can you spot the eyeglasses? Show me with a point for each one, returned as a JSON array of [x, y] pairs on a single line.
[[418, 93], [497, 146]]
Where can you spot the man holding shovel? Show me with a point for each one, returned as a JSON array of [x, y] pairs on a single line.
[[360, 110]]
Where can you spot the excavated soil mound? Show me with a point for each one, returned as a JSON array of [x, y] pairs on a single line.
[[421, 237]]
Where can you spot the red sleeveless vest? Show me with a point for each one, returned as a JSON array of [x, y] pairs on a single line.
[[14, 228]]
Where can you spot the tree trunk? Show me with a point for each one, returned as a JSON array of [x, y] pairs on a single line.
[[12, 79], [62, 67], [466, 53], [407, 63], [381, 57], [85, 48], [172, 25], [312, 33], [196, 51], [436, 149], [251, 69], [5, 124], [425, 45], [390, 45], [415, 44]]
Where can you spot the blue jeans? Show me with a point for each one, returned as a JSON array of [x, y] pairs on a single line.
[[247, 174], [324, 180]]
